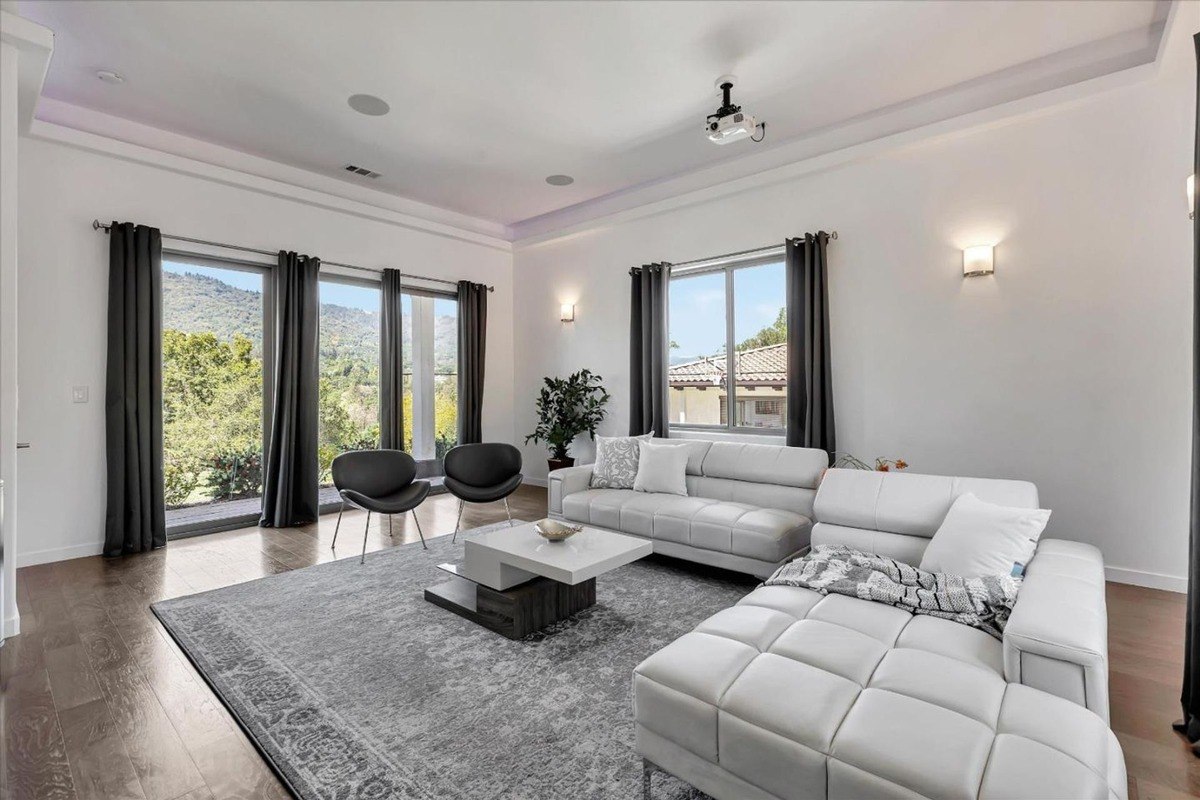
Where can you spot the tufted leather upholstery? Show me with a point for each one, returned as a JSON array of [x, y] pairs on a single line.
[[749, 506], [792, 694]]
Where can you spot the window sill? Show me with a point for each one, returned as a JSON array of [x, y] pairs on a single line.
[[749, 436]]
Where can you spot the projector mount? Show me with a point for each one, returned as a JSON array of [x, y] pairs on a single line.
[[728, 123]]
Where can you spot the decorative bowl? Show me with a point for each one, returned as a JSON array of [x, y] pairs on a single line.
[[556, 531]]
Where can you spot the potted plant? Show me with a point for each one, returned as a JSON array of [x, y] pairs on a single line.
[[566, 408], [851, 461]]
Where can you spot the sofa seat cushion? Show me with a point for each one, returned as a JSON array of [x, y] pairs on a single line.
[[806, 695], [600, 507], [766, 534]]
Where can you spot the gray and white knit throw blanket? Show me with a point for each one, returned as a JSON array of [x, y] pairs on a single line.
[[983, 603]]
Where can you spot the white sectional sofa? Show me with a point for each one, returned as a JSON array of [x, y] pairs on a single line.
[[749, 506], [793, 694]]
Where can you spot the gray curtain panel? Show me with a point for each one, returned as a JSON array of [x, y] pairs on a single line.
[[472, 340], [1190, 724], [809, 371], [648, 349], [290, 471], [135, 516], [391, 365]]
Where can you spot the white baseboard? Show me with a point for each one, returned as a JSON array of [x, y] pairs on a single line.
[[59, 554], [12, 626], [535, 481], [1151, 580]]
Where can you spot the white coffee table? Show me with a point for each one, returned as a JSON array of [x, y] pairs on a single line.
[[515, 582]]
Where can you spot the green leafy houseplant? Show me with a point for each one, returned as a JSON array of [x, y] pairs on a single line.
[[568, 407]]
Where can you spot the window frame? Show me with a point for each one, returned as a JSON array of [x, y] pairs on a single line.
[[433, 294], [267, 271], [729, 266]]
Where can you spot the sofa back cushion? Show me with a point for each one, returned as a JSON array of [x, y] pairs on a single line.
[[763, 475], [798, 467], [895, 513]]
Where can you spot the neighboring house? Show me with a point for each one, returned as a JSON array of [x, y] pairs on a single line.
[[698, 394]]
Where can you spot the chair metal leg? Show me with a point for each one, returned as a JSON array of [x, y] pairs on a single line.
[[389, 524], [458, 521], [509, 513], [647, 771], [366, 530], [339, 524], [419, 531]]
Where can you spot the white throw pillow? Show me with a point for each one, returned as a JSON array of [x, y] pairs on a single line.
[[616, 461], [662, 468], [978, 538]]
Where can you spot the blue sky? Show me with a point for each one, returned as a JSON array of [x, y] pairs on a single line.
[[697, 308]]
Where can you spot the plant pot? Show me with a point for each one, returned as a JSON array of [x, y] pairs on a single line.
[[560, 463]]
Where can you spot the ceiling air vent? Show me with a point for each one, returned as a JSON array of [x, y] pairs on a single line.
[[361, 171]]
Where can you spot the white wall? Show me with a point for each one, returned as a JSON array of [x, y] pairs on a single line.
[[1070, 367], [63, 290], [9, 59]]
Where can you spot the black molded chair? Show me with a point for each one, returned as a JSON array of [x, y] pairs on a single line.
[[482, 473], [381, 481]]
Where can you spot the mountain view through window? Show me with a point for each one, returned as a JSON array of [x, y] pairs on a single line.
[[213, 378]]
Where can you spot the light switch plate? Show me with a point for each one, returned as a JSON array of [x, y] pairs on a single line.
[[79, 394]]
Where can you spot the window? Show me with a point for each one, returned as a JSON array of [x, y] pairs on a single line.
[[213, 391], [348, 416], [430, 374], [729, 318]]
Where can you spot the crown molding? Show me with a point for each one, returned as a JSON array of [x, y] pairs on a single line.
[[34, 45], [92, 130], [998, 98]]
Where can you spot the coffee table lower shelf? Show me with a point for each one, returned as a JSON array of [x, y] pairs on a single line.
[[515, 612]]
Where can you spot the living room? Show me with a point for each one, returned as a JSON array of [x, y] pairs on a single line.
[[321, 322]]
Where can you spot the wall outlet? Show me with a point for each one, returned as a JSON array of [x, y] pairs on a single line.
[[79, 394]]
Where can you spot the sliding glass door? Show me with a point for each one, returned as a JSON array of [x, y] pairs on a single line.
[[214, 316], [349, 369], [216, 368]]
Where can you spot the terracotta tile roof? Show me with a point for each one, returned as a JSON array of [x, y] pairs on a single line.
[[759, 365]]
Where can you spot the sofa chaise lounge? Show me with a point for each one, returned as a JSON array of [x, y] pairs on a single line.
[[748, 509], [794, 694]]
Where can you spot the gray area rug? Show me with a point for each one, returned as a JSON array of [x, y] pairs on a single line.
[[353, 686]]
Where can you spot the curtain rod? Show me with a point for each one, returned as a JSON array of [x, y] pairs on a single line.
[[98, 225], [832, 235]]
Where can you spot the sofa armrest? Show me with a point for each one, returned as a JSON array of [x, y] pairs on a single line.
[[562, 482], [1057, 637]]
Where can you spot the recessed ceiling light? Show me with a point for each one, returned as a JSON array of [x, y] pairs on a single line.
[[108, 76], [560, 180], [369, 104]]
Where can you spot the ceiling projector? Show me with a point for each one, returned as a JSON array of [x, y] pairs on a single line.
[[728, 123]]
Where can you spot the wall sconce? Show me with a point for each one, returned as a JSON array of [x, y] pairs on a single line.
[[1191, 193], [978, 260], [567, 312]]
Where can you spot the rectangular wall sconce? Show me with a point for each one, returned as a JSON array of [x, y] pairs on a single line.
[[978, 260], [567, 312]]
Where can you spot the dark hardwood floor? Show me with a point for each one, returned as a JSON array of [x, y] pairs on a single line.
[[98, 702]]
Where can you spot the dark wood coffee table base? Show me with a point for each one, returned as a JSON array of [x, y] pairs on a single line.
[[515, 612]]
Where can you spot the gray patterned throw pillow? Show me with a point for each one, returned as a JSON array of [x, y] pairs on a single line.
[[616, 461]]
